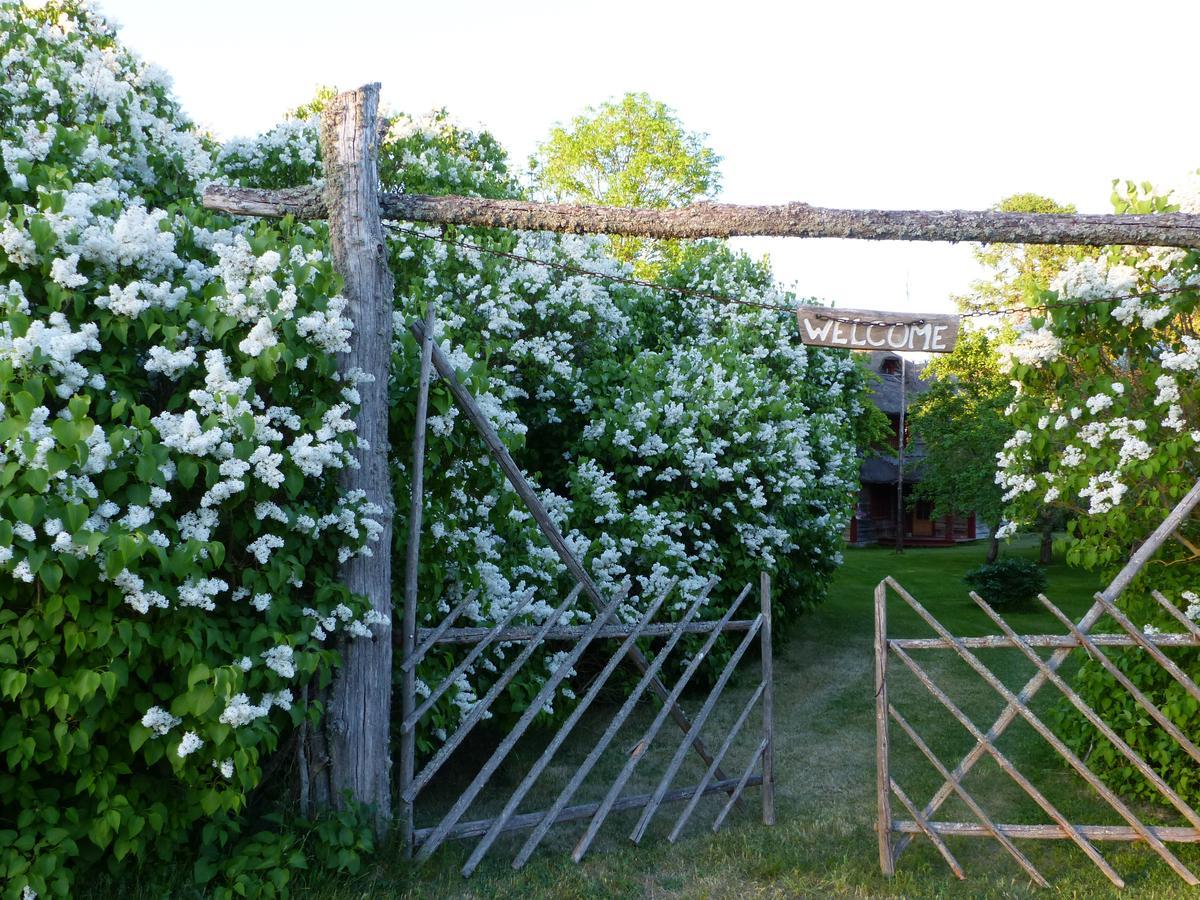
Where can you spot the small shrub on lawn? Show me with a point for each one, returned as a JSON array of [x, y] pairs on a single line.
[[1009, 583]]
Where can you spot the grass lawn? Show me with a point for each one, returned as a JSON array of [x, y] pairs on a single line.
[[824, 844]]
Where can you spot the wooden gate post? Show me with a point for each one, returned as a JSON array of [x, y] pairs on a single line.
[[357, 722], [408, 737], [883, 776]]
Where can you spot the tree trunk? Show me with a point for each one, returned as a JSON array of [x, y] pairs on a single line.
[[993, 548], [350, 751], [1046, 553], [722, 220]]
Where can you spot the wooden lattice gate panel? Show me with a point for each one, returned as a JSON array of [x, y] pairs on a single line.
[[427, 840], [896, 834], [1018, 705]]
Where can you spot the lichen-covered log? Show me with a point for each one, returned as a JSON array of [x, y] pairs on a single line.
[[722, 220]]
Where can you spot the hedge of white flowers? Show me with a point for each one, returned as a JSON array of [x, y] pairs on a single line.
[[172, 425], [1107, 421]]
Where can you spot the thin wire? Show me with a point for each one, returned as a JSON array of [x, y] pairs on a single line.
[[778, 307]]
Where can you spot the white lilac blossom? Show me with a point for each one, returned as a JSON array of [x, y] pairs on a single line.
[[159, 720], [279, 660], [189, 744], [1031, 347]]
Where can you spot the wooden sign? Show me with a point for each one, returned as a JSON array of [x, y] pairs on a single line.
[[867, 329]]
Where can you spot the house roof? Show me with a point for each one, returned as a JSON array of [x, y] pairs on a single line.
[[877, 470], [886, 391], [880, 469]]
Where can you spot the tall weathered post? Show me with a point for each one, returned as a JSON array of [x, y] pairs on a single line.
[[357, 721]]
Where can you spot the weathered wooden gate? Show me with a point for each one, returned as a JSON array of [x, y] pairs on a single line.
[[416, 644], [896, 834], [428, 839]]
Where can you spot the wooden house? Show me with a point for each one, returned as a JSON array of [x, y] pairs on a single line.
[[875, 519]]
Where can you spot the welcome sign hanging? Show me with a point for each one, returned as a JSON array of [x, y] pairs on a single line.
[[866, 329]]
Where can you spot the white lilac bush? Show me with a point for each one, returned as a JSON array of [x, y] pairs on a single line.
[[673, 438], [670, 437], [171, 429], [1107, 422]]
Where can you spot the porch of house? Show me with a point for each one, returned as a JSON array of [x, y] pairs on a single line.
[[875, 521]]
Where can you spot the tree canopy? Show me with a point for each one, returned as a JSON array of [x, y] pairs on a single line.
[[961, 421], [633, 151], [1018, 272]]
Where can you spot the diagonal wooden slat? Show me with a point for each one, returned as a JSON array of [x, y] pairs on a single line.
[[983, 817], [1143, 554], [929, 832], [436, 635], [742, 782], [1088, 713], [457, 672], [467, 797], [614, 725], [701, 717], [1177, 613], [477, 712], [561, 735], [702, 787], [1122, 679], [1008, 768], [640, 749], [1139, 638], [1052, 739]]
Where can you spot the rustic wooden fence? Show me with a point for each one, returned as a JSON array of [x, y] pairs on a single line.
[[427, 840], [896, 834]]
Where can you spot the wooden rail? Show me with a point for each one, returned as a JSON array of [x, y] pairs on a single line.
[[724, 220]]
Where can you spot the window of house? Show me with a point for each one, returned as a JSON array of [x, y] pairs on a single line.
[[891, 366]]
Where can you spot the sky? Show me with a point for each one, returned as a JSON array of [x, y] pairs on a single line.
[[894, 105]]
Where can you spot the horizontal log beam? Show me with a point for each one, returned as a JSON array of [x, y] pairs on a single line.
[[999, 641], [1168, 834], [302, 202], [723, 220], [522, 633]]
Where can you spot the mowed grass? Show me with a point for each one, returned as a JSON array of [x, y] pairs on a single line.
[[824, 844]]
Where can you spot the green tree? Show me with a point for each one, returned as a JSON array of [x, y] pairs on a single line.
[[1018, 273], [321, 98], [962, 424], [634, 152]]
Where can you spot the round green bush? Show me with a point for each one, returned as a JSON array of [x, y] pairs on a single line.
[[1008, 583]]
